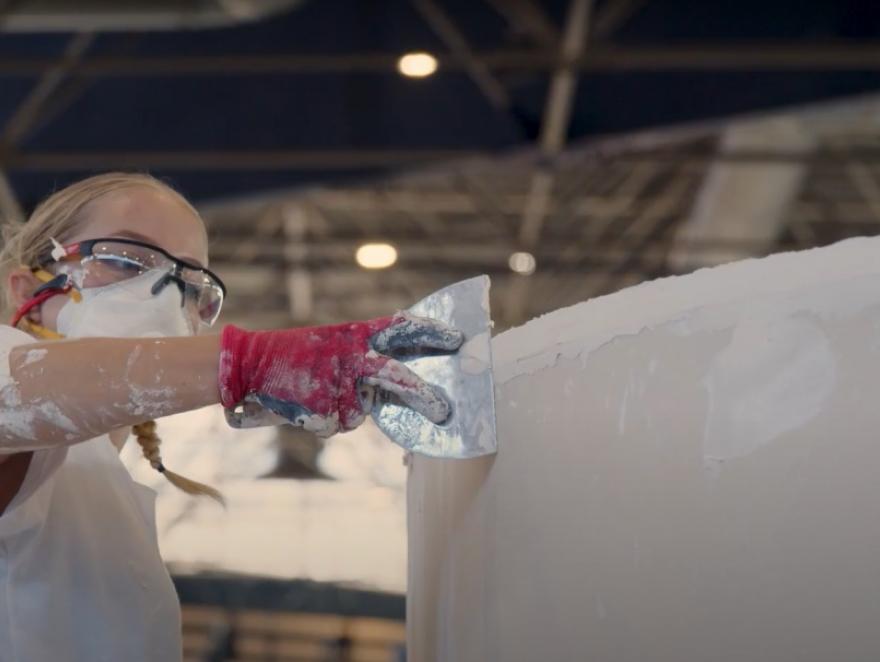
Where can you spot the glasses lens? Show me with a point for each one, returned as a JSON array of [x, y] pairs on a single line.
[[204, 297], [210, 304], [114, 262]]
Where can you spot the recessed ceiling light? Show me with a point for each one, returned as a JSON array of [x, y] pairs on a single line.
[[417, 65], [376, 256], [522, 263]]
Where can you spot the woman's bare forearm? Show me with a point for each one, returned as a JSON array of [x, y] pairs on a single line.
[[64, 392]]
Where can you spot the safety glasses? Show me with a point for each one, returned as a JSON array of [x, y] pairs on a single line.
[[108, 261]]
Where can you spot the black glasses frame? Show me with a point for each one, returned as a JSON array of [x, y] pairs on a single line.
[[84, 249]]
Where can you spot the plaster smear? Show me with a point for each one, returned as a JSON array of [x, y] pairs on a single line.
[[774, 376], [15, 420], [150, 402], [474, 355], [581, 329], [33, 356], [777, 371], [22, 422]]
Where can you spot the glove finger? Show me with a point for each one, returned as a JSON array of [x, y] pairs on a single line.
[[296, 414], [395, 378], [417, 333], [354, 403]]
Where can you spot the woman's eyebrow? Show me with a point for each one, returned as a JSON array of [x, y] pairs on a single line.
[[129, 234]]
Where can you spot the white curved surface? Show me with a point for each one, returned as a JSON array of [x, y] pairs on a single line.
[[688, 470]]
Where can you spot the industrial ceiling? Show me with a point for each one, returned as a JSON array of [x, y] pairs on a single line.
[[601, 138]]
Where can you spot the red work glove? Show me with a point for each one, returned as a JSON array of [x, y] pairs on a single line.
[[325, 378]]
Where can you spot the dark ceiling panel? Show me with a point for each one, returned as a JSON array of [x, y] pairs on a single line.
[[346, 110], [275, 112], [12, 91], [616, 103], [684, 20]]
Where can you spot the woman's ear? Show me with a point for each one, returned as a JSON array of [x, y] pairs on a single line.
[[21, 284]]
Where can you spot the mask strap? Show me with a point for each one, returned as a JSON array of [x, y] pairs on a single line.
[[52, 286], [39, 330]]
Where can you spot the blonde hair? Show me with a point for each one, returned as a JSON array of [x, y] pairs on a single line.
[[60, 216], [149, 442]]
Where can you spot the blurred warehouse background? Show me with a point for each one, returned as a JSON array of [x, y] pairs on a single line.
[[351, 156]]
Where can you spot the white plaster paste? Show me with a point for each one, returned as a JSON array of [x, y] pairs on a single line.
[[51, 412], [773, 377], [579, 330], [21, 422], [150, 402], [14, 419], [322, 426], [475, 355], [33, 356]]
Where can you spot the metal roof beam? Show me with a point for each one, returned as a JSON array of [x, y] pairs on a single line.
[[651, 249], [29, 111], [866, 183], [455, 41], [746, 200], [338, 253], [761, 56], [227, 160], [612, 15], [554, 127], [529, 18], [10, 208], [331, 159]]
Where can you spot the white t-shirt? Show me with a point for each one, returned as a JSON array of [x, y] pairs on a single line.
[[81, 578]]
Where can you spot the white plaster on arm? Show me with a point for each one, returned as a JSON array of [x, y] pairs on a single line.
[[61, 393]]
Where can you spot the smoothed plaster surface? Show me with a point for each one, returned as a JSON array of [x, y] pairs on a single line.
[[687, 469]]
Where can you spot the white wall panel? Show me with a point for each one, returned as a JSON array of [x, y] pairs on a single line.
[[688, 470]]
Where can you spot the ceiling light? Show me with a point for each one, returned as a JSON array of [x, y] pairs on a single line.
[[417, 65], [522, 263], [376, 256]]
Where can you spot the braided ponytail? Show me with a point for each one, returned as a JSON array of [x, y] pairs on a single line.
[[149, 442]]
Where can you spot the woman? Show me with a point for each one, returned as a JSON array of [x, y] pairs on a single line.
[[116, 265]]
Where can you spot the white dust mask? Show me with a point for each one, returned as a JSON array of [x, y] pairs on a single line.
[[127, 309]]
